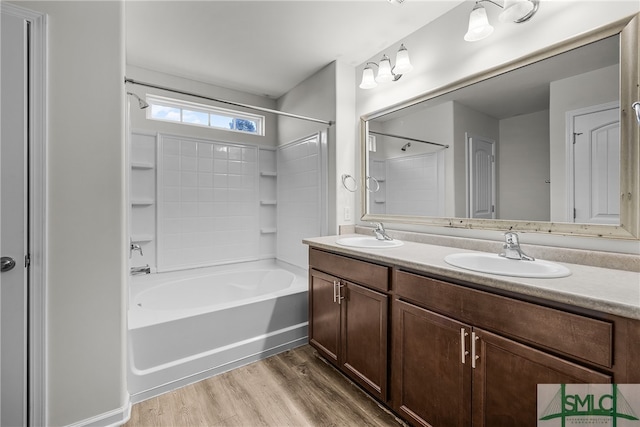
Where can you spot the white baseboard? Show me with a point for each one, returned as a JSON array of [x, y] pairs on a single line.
[[117, 417]]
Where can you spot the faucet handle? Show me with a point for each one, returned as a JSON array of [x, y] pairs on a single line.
[[134, 247], [511, 238]]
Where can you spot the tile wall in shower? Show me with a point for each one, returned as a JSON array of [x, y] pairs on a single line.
[[207, 203], [300, 208], [415, 185], [199, 202]]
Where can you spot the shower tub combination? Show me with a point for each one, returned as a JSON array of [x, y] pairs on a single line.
[[185, 326]]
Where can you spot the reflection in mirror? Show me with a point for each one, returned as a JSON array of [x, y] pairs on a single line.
[[539, 143]]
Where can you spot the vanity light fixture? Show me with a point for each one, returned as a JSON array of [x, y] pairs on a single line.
[[517, 11], [386, 73]]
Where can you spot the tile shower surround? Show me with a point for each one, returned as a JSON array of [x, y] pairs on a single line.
[[409, 185], [299, 198], [207, 202], [202, 202]]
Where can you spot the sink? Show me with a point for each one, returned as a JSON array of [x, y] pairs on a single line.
[[368, 242], [494, 264]]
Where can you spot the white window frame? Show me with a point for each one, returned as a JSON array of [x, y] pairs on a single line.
[[203, 108]]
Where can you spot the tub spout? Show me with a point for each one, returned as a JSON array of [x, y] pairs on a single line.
[[141, 270]]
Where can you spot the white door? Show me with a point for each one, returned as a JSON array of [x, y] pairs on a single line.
[[481, 177], [596, 166], [13, 221]]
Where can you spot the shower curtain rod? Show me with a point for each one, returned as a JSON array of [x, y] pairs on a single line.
[[408, 139], [223, 101]]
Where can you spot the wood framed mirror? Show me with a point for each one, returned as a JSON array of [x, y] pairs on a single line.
[[548, 143]]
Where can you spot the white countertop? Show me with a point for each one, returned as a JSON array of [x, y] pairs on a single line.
[[602, 289]]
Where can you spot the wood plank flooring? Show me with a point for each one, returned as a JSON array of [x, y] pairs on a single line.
[[294, 388]]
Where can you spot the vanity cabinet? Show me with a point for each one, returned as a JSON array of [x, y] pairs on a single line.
[[348, 317], [465, 357], [445, 353]]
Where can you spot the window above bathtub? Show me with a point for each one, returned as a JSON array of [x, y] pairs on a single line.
[[194, 114]]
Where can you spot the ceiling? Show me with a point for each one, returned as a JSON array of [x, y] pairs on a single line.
[[267, 47]]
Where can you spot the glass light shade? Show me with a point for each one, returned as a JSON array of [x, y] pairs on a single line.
[[515, 10], [403, 65], [384, 70], [479, 26], [368, 80]]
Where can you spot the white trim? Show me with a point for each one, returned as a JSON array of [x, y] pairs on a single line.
[[37, 399], [114, 418], [569, 127]]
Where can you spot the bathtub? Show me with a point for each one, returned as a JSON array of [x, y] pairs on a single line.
[[189, 325]]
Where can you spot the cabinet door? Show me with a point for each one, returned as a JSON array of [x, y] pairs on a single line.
[[431, 379], [506, 377], [364, 338], [324, 315]]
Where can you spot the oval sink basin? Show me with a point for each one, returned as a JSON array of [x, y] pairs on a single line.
[[494, 264], [368, 242]]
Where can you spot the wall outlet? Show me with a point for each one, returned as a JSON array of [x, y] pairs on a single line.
[[347, 213]]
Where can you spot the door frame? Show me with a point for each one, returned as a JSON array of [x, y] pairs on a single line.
[[37, 231], [569, 126]]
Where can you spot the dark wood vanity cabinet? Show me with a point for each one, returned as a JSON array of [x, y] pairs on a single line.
[[448, 370], [348, 320], [459, 354]]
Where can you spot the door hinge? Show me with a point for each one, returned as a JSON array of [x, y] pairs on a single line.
[[575, 213], [493, 208], [27, 261]]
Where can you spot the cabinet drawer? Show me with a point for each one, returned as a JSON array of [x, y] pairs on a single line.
[[571, 334], [362, 272]]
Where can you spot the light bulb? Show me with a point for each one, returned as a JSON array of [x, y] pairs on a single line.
[[403, 65], [384, 70], [368, 81], [479, 26], [515, 10]]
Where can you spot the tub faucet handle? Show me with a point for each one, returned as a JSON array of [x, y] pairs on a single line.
[[134, 247]]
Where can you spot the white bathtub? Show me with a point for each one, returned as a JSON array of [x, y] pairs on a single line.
[[189, 325]]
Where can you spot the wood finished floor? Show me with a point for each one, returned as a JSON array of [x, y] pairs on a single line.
[[294, 388]]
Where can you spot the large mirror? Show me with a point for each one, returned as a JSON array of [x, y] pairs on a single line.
[[547, 143]]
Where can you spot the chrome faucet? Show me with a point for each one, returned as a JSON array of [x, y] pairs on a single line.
[[380, 232], [141, 270], [512, 249]]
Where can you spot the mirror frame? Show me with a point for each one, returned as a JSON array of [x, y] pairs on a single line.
[[629, 227]]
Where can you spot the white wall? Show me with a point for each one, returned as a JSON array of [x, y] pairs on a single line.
[[440, 56], [86, 309], [523, 164]]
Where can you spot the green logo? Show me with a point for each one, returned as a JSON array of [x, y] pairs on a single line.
[[589, 404]]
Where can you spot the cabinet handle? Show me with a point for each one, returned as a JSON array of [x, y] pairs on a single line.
[[474, 356], [463, 349], [335, 295], [340, 297]]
